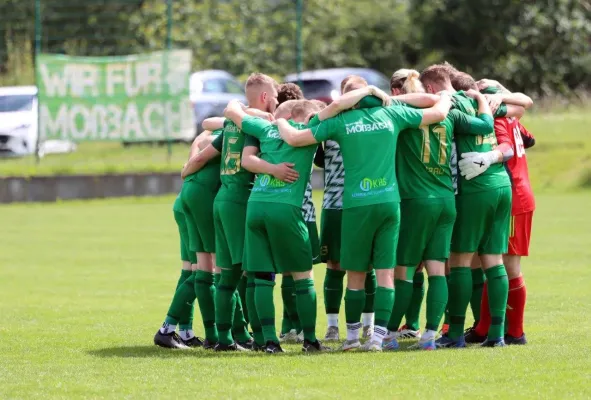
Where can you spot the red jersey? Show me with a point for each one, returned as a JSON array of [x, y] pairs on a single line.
[[508, 130]]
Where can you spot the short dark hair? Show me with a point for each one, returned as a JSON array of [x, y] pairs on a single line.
[[289, 91], [463, 81], [437, 73]]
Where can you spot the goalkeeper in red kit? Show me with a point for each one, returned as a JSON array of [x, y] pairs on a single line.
[[510, 132]]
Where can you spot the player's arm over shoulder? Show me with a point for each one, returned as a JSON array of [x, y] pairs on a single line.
[[466, 124]]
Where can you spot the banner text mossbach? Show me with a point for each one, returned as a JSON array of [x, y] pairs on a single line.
[[129, 98]]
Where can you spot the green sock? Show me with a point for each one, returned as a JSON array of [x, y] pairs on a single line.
[[216, 279], [446, 313], [436, 301], [181, 306], [289, 305], [185, 273], [354, 303], [305, 298], [477, 285], [333, 290], [498, 291], [413, 311], [225, 304], [239, 324], [401, 302], [253, 317], [263, 298], [242, 294], [384, 305], [186, 319], [371, 283], [205, 292], [460, 291]]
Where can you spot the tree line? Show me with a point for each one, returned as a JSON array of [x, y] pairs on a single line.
[[541, 47]]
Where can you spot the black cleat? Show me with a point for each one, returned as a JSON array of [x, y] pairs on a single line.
[[248, 345], [229, 347], [169, 340], [314, 347], [207, 345], [511, 340], [493, 343], [256, 347], [272, 348], [193, 342], [470, 336]]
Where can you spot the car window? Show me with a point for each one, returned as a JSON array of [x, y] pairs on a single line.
[[214, 86], [234, 87], [315, 88], [16, 103]]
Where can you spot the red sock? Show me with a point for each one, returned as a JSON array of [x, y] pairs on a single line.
[[484, 323], [516, 306]]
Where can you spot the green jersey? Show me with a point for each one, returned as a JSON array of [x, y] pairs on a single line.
[[367, 138], [274, 150], [423, 159], [209, 175], [236, 181], [495, 176]]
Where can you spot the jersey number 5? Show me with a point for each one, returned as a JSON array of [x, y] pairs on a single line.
[[441, 134]]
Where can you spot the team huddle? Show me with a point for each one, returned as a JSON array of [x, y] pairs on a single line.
[[431, 177]]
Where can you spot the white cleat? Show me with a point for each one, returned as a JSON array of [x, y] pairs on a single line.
[[300, 337], [289, 337], [371, 345], [405, 333], [367, 332], [332, 334], [351, 345]]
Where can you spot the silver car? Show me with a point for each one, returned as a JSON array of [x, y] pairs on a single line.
[[325, 84], [210, 92]]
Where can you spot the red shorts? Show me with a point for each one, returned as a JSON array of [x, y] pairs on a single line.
[[520, 234]]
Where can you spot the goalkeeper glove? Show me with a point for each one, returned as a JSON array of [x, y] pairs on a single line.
[[473, 164]]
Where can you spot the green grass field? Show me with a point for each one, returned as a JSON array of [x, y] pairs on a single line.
[[561, 159], [85, 285]]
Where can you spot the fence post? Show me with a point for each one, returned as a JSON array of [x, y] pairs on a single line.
[[168, 46], [37, 51], [299, 44]]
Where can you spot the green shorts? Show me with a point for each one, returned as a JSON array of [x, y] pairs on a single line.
[[276, 238], [230, 221], [482, 224], [330, 234], [370, 236], [198, 208], [314, 242], [186, 253], [426, 226]]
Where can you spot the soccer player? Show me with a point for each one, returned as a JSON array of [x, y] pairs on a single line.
[[330, 233], [510, 131], [288, 91], [483, 211], [276, 236], [230, 211], [371, 210], [181, 308], [427, 207]]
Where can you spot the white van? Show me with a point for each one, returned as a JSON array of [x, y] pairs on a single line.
[[18, 120]]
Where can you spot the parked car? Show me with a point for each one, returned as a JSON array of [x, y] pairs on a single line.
[[18, 120], [325, 84], [210, 92]]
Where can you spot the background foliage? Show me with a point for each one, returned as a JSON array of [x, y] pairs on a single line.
[[541, 47]]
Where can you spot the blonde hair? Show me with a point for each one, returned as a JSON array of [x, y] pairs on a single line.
[[303, 108], [407, 80], [352, 82], [285, 109], [257, 83]]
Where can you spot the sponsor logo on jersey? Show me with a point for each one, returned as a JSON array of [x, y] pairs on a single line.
[[368, 184], [273, 134], [358, 127], [231, 128], [271, 182]]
